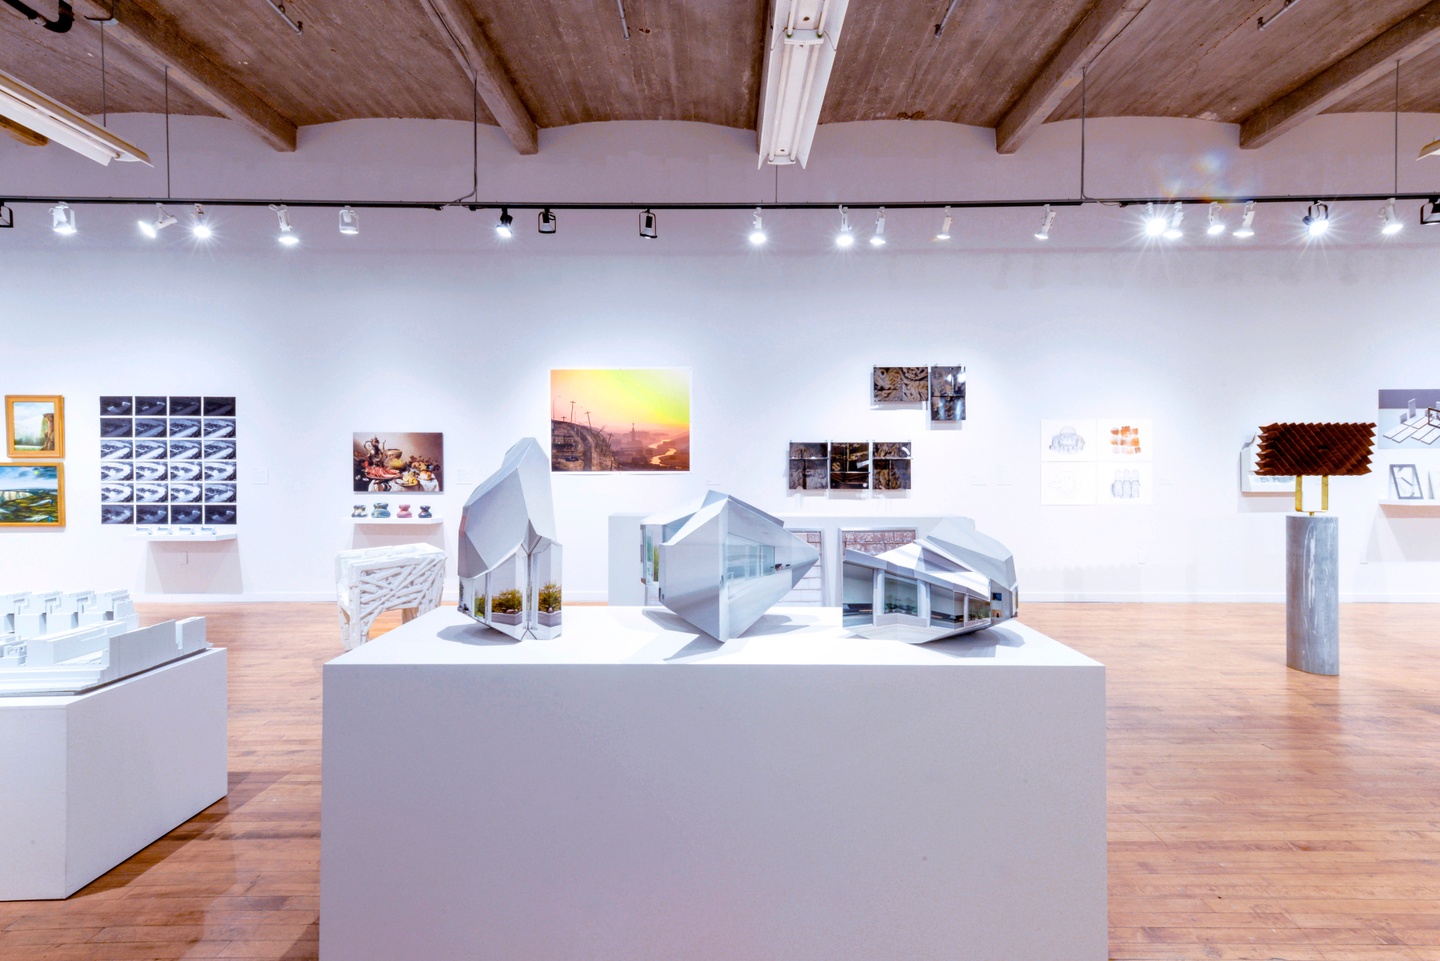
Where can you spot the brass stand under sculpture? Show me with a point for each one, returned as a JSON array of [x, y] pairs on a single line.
[[951, 581], [1312, 544], [721, 564], [509, 560]]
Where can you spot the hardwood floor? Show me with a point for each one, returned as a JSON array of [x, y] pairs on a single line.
[[1255, 812]]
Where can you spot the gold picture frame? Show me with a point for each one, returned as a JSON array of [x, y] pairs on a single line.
[[31, 495], [37, 420]]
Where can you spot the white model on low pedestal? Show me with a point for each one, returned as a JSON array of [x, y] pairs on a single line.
[[636, 790], [374, 580]]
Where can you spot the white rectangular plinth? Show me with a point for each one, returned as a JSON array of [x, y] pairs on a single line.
[[86, 780], [634, 791]]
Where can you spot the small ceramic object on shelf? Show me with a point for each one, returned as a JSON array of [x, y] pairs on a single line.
[[359, 511], [425, 512], [404, 511], [380, 510]]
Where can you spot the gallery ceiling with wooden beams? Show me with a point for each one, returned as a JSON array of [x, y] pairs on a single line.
[[1007, 64]]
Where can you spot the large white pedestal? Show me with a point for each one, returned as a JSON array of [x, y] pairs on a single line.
[[86, 780], [634, 792]]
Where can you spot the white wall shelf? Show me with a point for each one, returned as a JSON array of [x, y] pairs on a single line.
[[398, 521], [184, 536], [1426, 507]]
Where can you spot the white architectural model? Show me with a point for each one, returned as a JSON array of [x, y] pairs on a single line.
[[952, 581], [721, 564], [65, 643], [509, 558], [368, 582]]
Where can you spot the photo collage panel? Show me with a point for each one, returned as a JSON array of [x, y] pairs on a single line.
[[940, 389], [849, 465], [168, 460]]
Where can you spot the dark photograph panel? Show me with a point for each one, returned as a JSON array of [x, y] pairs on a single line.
[[892, 474], [219, 513], [117, 406], [892, 449], [219, 493], [117, 514], [116, 471], [185, 470], [184, 406], [220, 427], [185, 450], [220, 470], [152, 514], [117, 427], [184, 427], [187, 514], [151, 406], [219, 406], [116, 450], [150, 427], [152, 470], [219, 450], [117, 493], [150, 449]]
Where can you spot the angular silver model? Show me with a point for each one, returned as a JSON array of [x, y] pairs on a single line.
[[721, 563], [509, 560], [951, 581]]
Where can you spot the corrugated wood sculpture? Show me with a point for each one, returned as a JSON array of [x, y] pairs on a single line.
[[1315, 450]]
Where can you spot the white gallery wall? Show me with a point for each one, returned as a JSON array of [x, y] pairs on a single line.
[[427, 322]]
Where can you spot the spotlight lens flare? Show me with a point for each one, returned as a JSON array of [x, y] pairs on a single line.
[[844, 239], [757, 237]]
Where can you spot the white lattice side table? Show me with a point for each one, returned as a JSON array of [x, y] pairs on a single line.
[[374, 580]]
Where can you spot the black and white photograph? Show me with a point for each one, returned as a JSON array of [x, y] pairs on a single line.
[[152, 514], [1406, 479], [187, 514], [152, 493], [184, 427], [117, 406], [219, 427], [219, 513], [116, 471], [116, 450], [185, 450], [219, 493], [151, 449], [151, 406], [947, 394], [220, 470], [187, 494], [117, 427], [187, 470], [117, 493], [150, 427], [185, 407], [117, 514], [151, 470], [219, 450], [219, 406]]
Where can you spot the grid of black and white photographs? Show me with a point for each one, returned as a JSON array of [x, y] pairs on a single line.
[[167, 460]]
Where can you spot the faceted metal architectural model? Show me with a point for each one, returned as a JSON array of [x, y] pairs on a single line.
[[951, 581], [509, 560], [720, 563]]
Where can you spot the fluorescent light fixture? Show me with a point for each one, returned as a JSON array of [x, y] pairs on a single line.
[[62, 219], [1155, 223], [1173, 231], [1215, 226], [546, 222], [1430, 213], [1389, 223], [1247, 221], [799, 52], [349, 220], [51, 119], [200, 224], [877, 239], [152, 228], [649, 226], [757, 230], [944, 233], [845, 237], [1046, 223], [1429, 150], [504, 227], [1317, 220], [287, 235]]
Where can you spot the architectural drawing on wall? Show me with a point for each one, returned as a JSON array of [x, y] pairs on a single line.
[[35, 426], [900, 385], [32, 495], [510, 561], [1125, 485], [168, 460], [809, 591], [65, 643], [1067, 440], [1409, 419], [890, 466], [1253, 483], [628, 419], [1095, 462], [952, 581], [720, 563], [402, 463], [947, 394], [1405, 481], [1123, 440], [809, 465], [1068, 484], [850, 465]]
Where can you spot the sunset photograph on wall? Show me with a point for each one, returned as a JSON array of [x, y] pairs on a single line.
[[620, 419]]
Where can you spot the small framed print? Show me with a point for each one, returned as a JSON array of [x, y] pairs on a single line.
[[33, 495], [35, 426], [1406, 478]]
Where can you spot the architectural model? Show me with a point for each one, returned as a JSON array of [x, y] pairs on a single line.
[[720, 563], [1315, 450], [372, 580], [952, 581], [66, 643], [509, 558]]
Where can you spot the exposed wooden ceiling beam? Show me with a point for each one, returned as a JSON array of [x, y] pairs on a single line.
[[144, 35], [22, 133], [1101, 24], [477, 55], [1415, 34]]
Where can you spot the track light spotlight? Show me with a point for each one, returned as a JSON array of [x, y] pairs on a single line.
[[649, 228], [1045, 224], [944, 233], [877, 239], [1155, 223], [62, 219], [1214, 226], [757, 229], [152, 228], [845, 237], [1172, 230], [1430, 213], [1247, 220], [349, 221], [287, 236], [7, 216], [1317, 220], [200, 224], [504, 227], [1389, 223], [546, 222]]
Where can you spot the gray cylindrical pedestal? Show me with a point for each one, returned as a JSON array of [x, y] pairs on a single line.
[[1312, 594]]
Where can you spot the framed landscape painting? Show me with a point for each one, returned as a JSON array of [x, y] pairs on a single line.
[[35, 426], [32, 495]]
